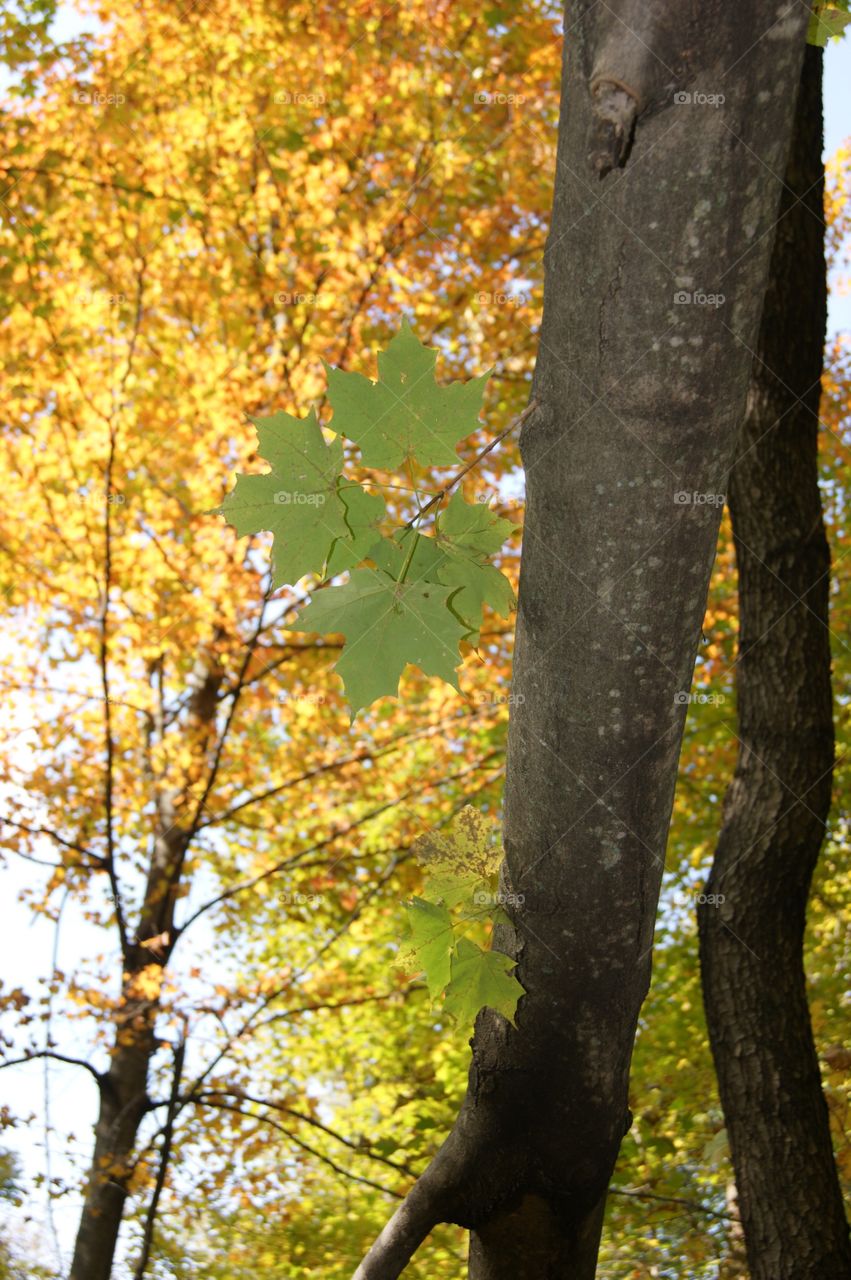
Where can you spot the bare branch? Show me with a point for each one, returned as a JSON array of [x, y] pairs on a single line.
[[356, 757], [58, 1057], [96, 859], [694, 1206], [361, 1147], [103, 658], [273, 1124]]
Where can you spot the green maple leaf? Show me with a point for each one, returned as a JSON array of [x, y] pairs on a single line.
[[297, 501], [471, 528], [479, 978], [391, 554], [468, 534], [456, 556], [473, 586], [364, 513], [460, 862], [386, 624], [429, 944], [405, 414]]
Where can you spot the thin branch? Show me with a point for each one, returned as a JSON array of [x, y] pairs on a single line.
[[459, 475], [361, 1148], [66, 844], [693, 1205], [273, 1124], [329, 1005], [277, 867], [48, 172], [58, 1057], [237, 692], [103, 657], [356, 757]]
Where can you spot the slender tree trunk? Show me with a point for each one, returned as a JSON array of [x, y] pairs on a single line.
[[123, 1101], [777, 805], [123, 1088], [664, 194]]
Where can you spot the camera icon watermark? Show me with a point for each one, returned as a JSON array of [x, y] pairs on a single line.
[[481, 898], [685, 99], [311, 99], [485, 97], [288, 497], [97, 98], [697, 298], [686, 498], [503, 299]]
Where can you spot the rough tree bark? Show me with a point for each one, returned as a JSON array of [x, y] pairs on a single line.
[[777, 804], [641, 397]]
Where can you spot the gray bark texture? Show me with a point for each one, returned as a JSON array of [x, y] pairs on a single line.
[[664, 194], [777, 805]]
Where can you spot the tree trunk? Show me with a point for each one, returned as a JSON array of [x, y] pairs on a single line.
[[123, 1101], [662, 193], [777, 805], [123, 1088]]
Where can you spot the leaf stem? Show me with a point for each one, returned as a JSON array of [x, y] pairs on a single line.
[[406, 566]]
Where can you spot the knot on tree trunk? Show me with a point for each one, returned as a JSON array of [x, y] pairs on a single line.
[[616, 107]]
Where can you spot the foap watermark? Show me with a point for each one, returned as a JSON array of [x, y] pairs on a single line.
[[701, 699], [487, 496], [698, 298], [500, 699], [98, 98], [686, 899], [291, 298], [699, 99], [481, 898], [691, 498], [503, 299], [299, 899], [291, 498], [487, 97], [300, 98]]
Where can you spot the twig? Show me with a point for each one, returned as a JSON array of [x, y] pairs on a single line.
[[694, 1205], [58, 1057], [459, 475]]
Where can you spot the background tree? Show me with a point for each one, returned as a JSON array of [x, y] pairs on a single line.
[[752, 919]]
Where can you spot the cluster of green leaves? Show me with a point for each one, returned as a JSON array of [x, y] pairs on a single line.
[[461, 868], [410, 598], [828, 20]]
